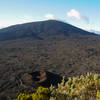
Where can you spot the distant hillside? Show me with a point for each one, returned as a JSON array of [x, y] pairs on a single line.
[[40, 30], [50, 45]]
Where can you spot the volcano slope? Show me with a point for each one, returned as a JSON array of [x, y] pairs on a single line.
[[50, 45]]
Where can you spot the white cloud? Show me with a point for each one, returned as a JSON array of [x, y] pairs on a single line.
[[75, 14], [95, 31], [50, 16]]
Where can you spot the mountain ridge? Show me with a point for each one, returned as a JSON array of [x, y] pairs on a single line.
[[39, 29]]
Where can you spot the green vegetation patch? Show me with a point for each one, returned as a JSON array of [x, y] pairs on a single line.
[[76, 88]]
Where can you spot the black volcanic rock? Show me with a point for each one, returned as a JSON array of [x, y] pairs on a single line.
[[41, 78], [28, 83], [40, 30]]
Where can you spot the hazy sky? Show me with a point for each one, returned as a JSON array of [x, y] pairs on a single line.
[[82, 13]]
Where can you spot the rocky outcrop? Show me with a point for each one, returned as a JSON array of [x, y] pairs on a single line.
[[41, 77]]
